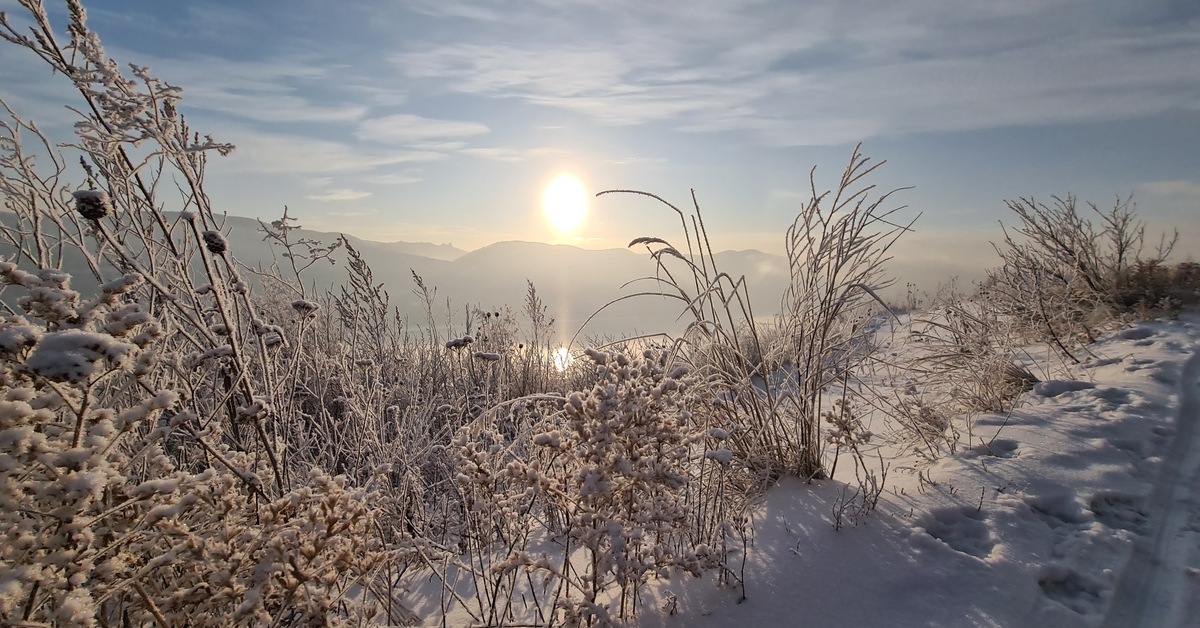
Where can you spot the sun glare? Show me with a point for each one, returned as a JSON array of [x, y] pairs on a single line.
[[562, 359], [565, 203]]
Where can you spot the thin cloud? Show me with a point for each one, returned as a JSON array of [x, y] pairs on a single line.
[[1177, 189], [634, 161], [510, 155], [392, 179], [1168, 205], [341, 194], [351, 214], [824, 73], [406, 128], [267, 90], [294, 154], [438, 146]]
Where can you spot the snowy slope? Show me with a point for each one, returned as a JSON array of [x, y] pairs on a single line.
[[1035, 525]]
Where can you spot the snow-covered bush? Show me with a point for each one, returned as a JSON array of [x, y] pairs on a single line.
[[964, 357], [1067, 276], [836, 247], [630, 477], [102, 525]]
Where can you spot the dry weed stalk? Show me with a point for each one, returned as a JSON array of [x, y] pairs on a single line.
[[836, 248]]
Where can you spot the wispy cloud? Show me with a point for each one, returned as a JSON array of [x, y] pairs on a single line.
[[267, 90], [634, 161], [1168, 205], [826, 72], [405, 128], [392, 179], [1177, 189], [350, 214], [438, 146], [510, 155], [340, 194], [286, 153]]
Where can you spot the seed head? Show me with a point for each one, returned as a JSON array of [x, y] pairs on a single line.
[[215, 242], [92, 204]]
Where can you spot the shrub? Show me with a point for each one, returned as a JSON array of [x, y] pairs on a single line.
[[631, 475], [1065, 275], [836, 249], [105, 525]]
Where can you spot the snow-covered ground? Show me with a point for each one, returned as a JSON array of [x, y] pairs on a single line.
[[1080, 508]]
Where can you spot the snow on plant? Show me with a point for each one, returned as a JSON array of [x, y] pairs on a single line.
[[964, 357], [103, 526], [629, 474], [1066, 276], [836, 247], [130, 140]]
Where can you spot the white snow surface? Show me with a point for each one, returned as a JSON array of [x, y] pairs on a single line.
[[1081, 508]]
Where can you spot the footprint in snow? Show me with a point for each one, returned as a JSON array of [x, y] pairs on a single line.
[[963, 529], [1059, 510], [1056, 387], [1120, 511], [1131, 445], [1070, 588], [1098, 362], [1138, 364], [999, 448], [1114, 396], [1162, 434], [1166, 374], [1135, 333], [1176, 347]]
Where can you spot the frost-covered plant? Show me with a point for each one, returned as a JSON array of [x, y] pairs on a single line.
[[722, 340], [104, 526], [836, 248], [630, 475], [1066, 275], [964, 357], [130, 140], [921, 421], [631, 443]]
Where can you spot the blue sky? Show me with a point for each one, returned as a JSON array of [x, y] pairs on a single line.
[[442, 120]]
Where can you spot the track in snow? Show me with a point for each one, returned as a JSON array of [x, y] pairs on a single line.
[[1160, 585]]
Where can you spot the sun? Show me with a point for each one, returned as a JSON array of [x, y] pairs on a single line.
[[562, 359], [565, 203]]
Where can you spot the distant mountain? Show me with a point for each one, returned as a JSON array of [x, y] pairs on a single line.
[[445, 252], [392, 263], [573, 282]]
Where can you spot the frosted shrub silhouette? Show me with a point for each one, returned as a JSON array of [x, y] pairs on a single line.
[[103, 526], [837, 247], [629, 474], [1065, 275]]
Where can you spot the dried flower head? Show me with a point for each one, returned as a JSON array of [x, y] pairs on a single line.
[[92, 204], [215, 242], [305, 307]]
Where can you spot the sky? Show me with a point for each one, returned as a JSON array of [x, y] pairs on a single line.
[[444, 120]]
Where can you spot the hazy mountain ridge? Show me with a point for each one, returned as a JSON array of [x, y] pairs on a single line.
[[572, 282]]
